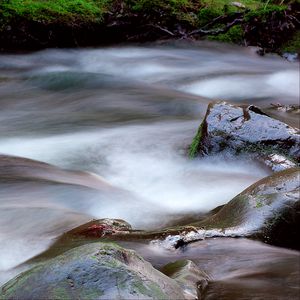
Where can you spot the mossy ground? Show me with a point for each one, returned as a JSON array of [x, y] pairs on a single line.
[[90, 21], [293, 45], [54, 10], [234, 35]]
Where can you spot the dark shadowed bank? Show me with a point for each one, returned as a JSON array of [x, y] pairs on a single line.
[[35, 24]]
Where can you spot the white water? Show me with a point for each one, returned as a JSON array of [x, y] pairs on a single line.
[[127, 114]]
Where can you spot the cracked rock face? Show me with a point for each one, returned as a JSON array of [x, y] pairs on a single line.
[[238, 129], [93, 271]]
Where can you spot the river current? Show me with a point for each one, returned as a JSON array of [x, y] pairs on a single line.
[[127, 114]]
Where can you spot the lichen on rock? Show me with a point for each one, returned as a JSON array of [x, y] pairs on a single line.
[[93, 271]]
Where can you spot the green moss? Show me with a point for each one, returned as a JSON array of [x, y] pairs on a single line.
[[229, 216], [263, 13], [207, 14], [156, 291], [194, 147], [13, 285], [148, 289], [140, 287], [181, 10], [234, 35], [169, 14], [293, 45], [172, 5], [54, 10], [60, 293], [173, 267], [214, 8], [265, 150], [259, 204]]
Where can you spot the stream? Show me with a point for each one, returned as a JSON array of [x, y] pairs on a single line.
[[128, 115]]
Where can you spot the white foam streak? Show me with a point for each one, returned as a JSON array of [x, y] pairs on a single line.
[[280, 84], [138, 159]]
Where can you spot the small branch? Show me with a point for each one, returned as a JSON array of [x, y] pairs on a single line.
[[216, 31], [224, 18], [162, 29], [293, 18]]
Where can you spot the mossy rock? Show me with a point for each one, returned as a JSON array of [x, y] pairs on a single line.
[[188, 275], [268, 210], [93, 271], [247, 130]]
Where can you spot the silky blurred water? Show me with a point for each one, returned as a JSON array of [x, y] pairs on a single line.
[[127, 114]]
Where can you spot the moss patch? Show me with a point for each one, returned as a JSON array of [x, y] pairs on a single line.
[[36, 24], [292, 46], [234, 35], [53, 10], [263, 13], [173, 267], [194, 147]]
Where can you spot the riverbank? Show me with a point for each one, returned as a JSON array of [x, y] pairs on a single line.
[[33, 25]]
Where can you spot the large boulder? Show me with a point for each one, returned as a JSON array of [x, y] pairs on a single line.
[[246, 129], [93, 271], [268, 210]]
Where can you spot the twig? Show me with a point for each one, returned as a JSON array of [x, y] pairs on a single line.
[[224, 18], [162, 29], [216, 31]]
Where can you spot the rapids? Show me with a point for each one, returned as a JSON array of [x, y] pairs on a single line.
[[127, 114]]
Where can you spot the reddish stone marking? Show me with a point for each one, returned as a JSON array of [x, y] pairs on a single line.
[[98, 230]]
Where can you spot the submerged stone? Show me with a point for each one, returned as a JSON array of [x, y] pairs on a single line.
[[188, 275], [93, 271]]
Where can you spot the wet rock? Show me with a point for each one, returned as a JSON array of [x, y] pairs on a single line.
[[292, 57], [190, 278], [94, 271], [17, 169], [100, 228], [276, 162], [95, 229], [246, 269], [294, 108], [237, 268], [239, 130], [268, 210]]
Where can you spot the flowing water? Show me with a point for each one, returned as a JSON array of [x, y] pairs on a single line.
[[128, 115]]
